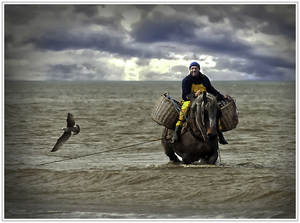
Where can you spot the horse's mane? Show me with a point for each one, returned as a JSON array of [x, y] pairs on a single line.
[[205, 102]]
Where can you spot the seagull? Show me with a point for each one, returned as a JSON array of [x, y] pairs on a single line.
[[67, 132]]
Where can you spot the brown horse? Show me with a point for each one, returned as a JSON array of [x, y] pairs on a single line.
[[200, 140]]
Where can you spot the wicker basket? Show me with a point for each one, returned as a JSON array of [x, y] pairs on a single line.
[[229, 118], [164, 112]]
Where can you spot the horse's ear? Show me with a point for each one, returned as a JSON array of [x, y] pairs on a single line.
[[204, 97]]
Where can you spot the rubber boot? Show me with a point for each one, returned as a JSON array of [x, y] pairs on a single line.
[[176, 134], [221, 138]]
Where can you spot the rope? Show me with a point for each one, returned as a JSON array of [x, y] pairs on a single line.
[[177, 108], [153, 140]]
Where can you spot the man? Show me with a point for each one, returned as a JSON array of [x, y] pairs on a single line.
[[192, 86]]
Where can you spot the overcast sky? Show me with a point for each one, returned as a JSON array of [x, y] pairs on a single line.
[[149, 42]]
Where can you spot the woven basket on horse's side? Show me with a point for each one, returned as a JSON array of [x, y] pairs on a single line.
[[229, 118], [164, 112]]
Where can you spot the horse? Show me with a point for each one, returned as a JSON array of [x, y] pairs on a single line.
[[200, 139]]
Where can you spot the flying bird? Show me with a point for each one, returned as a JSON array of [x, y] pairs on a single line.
[[67, 132]]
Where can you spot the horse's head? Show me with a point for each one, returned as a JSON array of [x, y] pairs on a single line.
[[207, 113]]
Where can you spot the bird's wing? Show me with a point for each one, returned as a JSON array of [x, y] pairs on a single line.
[[70, 120], [61, 141]]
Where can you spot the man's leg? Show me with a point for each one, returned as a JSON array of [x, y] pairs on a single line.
[[220, 133], [184, 108]]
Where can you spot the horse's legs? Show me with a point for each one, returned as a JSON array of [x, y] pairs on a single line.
[[212, 159], [186, 159], [169, 151]]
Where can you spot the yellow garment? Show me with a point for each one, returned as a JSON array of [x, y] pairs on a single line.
[[185, 108], [186, 104], [196, 87]]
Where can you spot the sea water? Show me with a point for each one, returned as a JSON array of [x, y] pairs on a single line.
[[254, 177]]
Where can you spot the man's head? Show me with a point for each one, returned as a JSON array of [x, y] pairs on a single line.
[[194, 68]]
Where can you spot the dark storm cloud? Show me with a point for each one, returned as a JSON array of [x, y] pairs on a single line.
[[257, 67], [181, 30], [89, 10], [23, 14], [257, 40], [280, 18], [63, 40], [66, 69], [239, 50], [84, 71], [172, 28], [169, 29], [275, 60], [92, 17], [163, 29], [221, 44]]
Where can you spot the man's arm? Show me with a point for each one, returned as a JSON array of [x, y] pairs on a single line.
[[212, 90], [186, 90]]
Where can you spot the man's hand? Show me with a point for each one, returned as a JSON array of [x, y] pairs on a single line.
[[198, 93]]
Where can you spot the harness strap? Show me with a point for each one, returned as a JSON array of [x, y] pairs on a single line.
[[177, 108]]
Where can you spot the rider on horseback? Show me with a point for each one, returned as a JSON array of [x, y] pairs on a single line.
[[192, 86]]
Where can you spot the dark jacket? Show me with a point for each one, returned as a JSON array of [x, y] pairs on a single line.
[[190, 85]]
